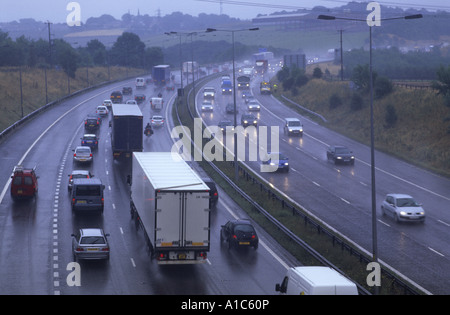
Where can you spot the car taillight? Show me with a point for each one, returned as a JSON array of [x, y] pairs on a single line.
[[105, 249], [234, 236], [79, 249], [103, 200], [90, 155], [162, 256], [74, 155], [253, 236]]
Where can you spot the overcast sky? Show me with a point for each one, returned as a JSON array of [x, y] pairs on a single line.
[[55, 10]]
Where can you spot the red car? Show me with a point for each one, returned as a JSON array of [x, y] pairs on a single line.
[[24, 183]]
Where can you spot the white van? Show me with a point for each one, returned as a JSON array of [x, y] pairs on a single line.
[[140, 83], [156, 103], [315, 281]]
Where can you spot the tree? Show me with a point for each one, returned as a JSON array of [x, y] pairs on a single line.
[[66, 57], [97, 51], [442, 85], [361, 77], [128, 51], [317, 73]]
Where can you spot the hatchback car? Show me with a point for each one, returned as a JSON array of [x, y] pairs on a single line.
[[139, 98], [127, 90], [278, 160], [249, 120], [157, 121], [90, 244], [82, 154], [340, 154], [107, 103], [226, 125], [90, 140], [207, 106], [293, 126], [230, 109], [253, 105], [91, 123], [402, 208], [78, 174], [239, 233], [24, 183], [102, 110]]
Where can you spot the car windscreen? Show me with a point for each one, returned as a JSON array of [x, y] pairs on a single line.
[[406, 202], [342, 151], [294, 123], [88, 190]]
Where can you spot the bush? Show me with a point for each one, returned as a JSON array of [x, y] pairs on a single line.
[[357, 102], [383, 87], [335, 101], [391, 116]]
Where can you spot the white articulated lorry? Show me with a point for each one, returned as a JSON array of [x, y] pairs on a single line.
[[171, 202]]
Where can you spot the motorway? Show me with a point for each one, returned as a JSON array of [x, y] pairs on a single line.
[[340, 195], [35, 235], [35, 242]]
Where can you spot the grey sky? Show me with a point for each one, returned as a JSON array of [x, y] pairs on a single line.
[[55, 10]]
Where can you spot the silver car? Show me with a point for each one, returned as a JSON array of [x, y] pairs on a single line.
[[157, 121], [403, 208], [83, 154], [90, 244], [78, 174]]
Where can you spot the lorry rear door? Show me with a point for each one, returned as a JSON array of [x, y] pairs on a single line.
[[168, 219], [196, 229]]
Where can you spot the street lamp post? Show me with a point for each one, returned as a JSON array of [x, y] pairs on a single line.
[[209, 30], [372, 146]]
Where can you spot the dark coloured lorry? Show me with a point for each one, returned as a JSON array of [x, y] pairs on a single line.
[[127, 130]]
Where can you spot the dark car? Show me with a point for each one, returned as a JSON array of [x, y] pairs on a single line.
[[340, 154], [281, 162], [127, 90], [249, 120], [239, 233], [116, 97], [223, 124], [91, 124], [90, 140], [213, 193], [230, 109], [139, 98], [24, 183]]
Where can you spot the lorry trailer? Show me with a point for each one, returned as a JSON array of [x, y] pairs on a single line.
[[126, 130], [171, 203]]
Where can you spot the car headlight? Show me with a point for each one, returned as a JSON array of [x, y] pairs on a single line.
[[286, 163], [271, 163], [255, 122], [245, 121], [402, 213], [339, 158]]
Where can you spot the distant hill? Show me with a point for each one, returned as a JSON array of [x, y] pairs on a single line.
[[106, 28]]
